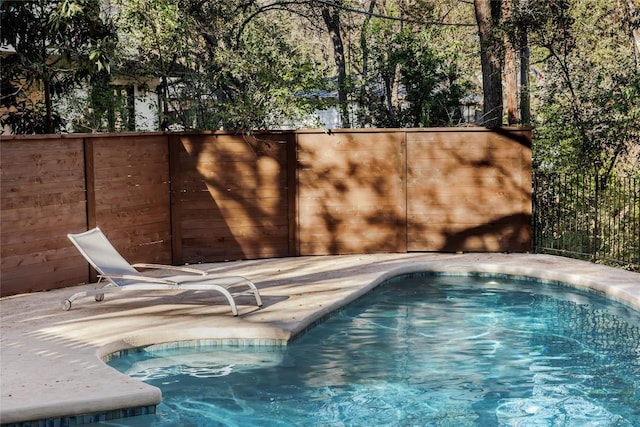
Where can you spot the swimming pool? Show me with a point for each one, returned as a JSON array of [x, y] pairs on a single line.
[[427, 350]]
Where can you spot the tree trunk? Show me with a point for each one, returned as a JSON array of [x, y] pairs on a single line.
[[48, 105], [364, 46], [511, 68], [633, 17], [488, 15], [511, 84], [525, 98], [332, 20]]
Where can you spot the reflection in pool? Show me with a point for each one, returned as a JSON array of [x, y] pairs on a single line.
[[430, 350]]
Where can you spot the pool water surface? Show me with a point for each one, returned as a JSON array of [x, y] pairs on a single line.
[[418, 351]]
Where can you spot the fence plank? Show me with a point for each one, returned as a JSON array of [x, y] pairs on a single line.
[[134, 171], [42, 193], [234, 182], [468, 191], [351, 192]]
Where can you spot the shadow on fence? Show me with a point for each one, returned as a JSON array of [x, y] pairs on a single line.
[[196, 197], [588, 217]]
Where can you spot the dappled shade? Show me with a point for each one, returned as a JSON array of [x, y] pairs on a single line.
[[213, 196]]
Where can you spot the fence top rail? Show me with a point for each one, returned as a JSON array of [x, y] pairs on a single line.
[[506, 129]]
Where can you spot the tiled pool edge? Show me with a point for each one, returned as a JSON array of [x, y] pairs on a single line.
[[84, 419], [397, 266], [196, 344]]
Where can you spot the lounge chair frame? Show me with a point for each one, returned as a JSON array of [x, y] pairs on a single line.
[[115, 274]]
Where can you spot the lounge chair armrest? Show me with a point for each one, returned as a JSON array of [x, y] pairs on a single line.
[[172, 268], [137, 278]]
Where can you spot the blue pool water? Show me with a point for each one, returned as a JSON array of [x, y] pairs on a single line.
[[420, 351]]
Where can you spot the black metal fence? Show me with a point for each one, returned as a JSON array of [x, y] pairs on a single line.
[[588, 217]]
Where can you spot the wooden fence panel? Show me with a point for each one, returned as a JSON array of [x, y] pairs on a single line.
[[42, 195], [130, 188], [351, 192], [205, 197], [230, 197], [469, 190]]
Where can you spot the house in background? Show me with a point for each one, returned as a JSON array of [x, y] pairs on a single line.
[[132, 105]]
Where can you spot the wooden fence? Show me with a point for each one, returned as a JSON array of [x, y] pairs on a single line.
[[203, 197]]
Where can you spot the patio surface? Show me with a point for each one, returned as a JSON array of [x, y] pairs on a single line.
[[51, 360]]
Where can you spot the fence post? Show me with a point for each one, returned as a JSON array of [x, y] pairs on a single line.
[[90, 192], [175, 232], [293, 220]]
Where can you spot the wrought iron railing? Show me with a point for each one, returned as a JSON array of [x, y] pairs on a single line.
[[588, 217]]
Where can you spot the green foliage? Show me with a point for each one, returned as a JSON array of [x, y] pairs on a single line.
[[589, 113], [249, 64], [589, 132], [262, 84], [107, 108], [233, 64], [58, 43], [221, 64], [28, 117], [433, 91], [426, 82]]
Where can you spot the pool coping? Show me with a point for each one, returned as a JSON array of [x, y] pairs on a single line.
[[52, 368]]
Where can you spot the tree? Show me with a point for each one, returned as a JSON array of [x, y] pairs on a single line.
[[590, 94], [631, 13], [157, 46], [431, 87], [488, 17], [403, 70], [58, 43], [229, 64], [511, 66], [331, 17]]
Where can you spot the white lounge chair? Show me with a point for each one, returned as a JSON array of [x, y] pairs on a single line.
[[116, 274]]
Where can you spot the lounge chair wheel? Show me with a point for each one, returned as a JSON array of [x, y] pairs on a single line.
[[66, 305], [99, 297]]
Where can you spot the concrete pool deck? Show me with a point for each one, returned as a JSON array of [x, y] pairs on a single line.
[[52, 360]]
